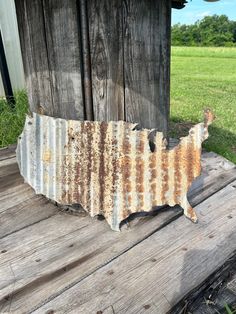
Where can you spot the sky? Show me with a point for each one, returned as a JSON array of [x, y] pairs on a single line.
[[198, 9]]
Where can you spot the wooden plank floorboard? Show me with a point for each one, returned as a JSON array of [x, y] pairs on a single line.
[[26, 213], [19, 206], [15, 195], [7, 152], [10, 181], [212, 165], [212, 295], [68, 259], [8, 166], [154, 276]]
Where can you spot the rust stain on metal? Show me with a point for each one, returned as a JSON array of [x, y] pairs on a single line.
[[109, 167], [47, 156]]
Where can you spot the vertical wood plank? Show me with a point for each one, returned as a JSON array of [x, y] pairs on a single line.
[[106, 46], [34, 53], [86, 60], [50, 41], [146, 61], [165, 57], [63, 46]]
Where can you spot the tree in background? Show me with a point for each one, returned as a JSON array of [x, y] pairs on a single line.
[[216, 30]]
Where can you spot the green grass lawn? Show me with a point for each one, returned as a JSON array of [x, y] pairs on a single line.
[[12, 118], [201, 78]]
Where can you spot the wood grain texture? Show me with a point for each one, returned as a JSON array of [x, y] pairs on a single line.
[[25, 213], [211, 164], [11, 180], [212, 295], [62, 30], [86, 60], [29, 248], [8, 166], [50, 43], [147, 62], [86, 245], [111, 61], [106, 47], [20, 207], [7, 152], [35, 55], [153, 276], [15, 195]]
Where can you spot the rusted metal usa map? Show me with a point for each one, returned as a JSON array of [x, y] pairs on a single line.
[[109, 168]]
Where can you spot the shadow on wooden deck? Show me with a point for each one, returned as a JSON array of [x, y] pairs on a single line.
[[215, 291]]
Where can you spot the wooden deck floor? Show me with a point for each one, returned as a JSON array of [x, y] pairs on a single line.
[[53, 262]]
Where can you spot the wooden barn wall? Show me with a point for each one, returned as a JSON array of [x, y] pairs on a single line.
[[146, 62], [107, 64], [98, 59], [50, 40]]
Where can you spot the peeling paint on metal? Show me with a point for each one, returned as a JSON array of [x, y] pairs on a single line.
[[108, 167]]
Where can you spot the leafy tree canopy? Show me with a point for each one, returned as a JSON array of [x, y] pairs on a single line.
[[216, 30]]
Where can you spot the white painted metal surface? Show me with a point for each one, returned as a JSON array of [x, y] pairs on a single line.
[[9, 28]]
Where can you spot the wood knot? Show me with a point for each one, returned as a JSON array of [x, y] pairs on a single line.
[[147, 306]]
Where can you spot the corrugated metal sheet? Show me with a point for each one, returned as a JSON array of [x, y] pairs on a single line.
[[108, 168]]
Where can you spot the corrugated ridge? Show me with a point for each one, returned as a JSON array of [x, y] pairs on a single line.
[[107, 167]]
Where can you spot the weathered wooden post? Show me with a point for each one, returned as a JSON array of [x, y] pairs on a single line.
[[98, 60]]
